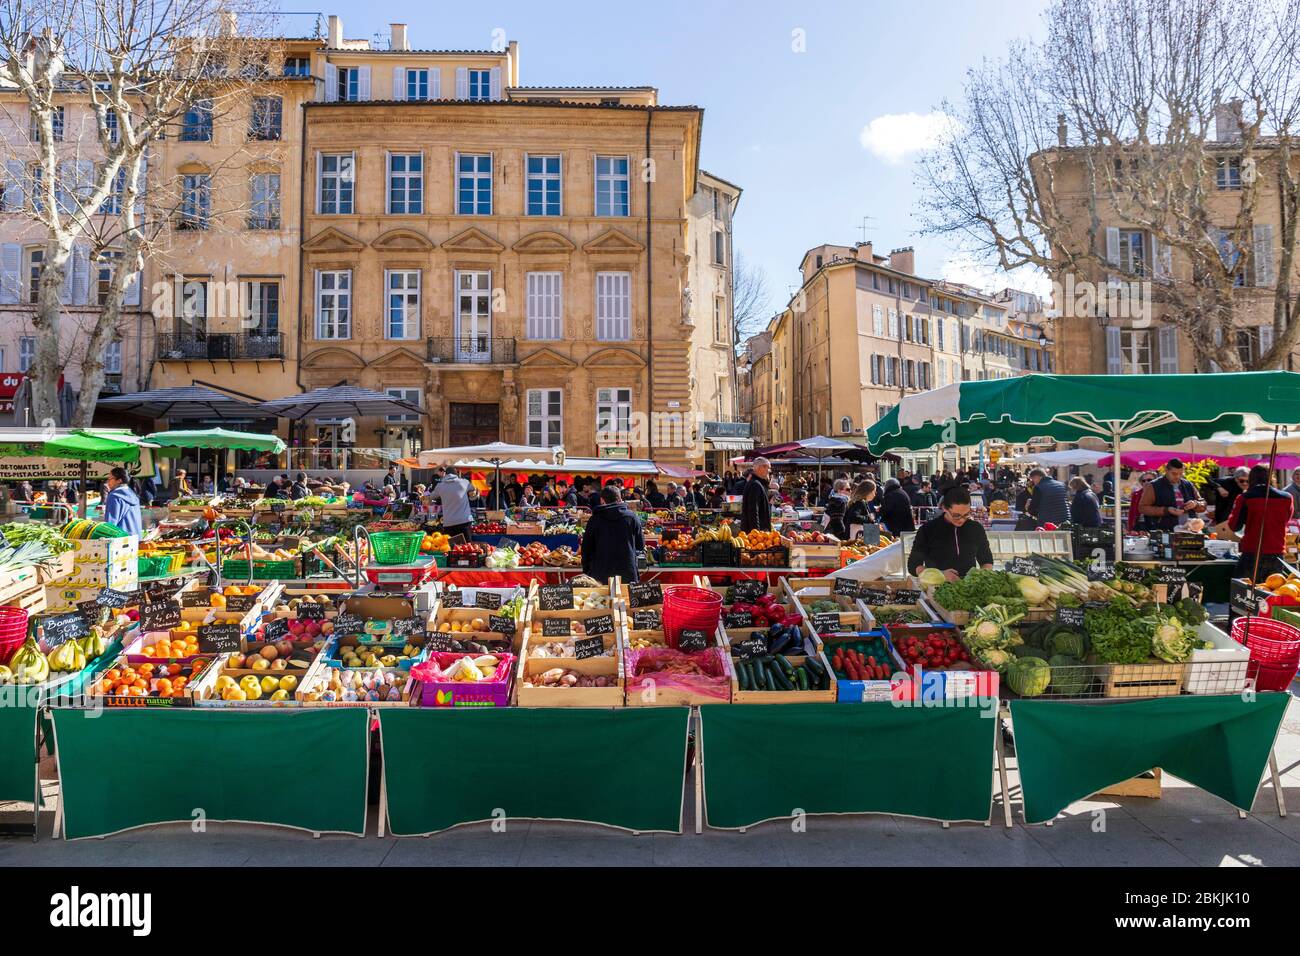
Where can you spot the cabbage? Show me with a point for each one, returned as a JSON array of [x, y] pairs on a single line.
[[932, 578], [999, 660], [1171, 641], [1034, 591]]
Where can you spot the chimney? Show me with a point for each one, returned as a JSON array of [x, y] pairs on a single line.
[[903, 260], [1062, 139], [334, 33], [398, 41], [513, 50], [863, 252], [229, 23], [1227, 122]]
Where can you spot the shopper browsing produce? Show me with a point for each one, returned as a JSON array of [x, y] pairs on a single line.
[[1085, 509], [1049, 502], [453, 494], [121, 506], [755, 510], [612, 539], [1258, 525], [952, 542], [1170, 498], [896, 508]]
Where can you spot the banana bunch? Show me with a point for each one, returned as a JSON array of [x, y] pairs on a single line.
[[28, 664], [66, 658], [479, 668], [94, 644], [719, 532]]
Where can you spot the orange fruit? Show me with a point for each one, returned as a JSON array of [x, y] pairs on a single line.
[[1274, 581], [137, 692], [173, 669], [164, 687], [112, 674]]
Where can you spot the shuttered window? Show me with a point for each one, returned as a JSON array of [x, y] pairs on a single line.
[[613, 306], [544, 301]]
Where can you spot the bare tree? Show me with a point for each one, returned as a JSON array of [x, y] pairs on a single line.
[[1134, 112], [140, 66], [751, 300]]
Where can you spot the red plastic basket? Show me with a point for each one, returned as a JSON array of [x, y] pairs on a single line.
[[690, 608], [1272, 677], [13, 631], [1270, 642]]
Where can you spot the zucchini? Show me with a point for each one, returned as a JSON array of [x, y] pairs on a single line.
[[786, 667], [743, 677], [778, 679], [801, 677], [760, 675], [815, 668]]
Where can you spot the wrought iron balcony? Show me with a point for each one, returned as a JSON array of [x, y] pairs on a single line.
[[470, 349], [220, 345]]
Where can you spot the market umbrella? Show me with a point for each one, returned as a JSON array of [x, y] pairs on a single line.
[[184, 401], [171, 443], [96, 444], [819, 447], [1162, 409], [1054, 459], [338, 401]]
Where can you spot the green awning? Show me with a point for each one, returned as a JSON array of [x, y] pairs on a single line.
[[103, 445], [1161, 409], [172, 442]]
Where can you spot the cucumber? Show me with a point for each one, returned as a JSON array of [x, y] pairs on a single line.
[[778, 678], [801, 677]]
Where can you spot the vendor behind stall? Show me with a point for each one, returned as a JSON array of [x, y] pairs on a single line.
[[1263, 512], [1169, 499], [951, 542]]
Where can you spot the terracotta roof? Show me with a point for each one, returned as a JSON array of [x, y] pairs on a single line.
[[367, 50], [528, 103]]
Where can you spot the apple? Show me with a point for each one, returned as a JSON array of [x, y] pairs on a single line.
[[251, 687], [288, 682], [260, 663], [270, 652], [269, 684], [280, 695]]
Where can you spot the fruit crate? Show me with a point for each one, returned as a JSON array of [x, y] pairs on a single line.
[[496, 692], [764, 557], [1221, 669], [825, 555], [465, 618], [610, 667], [719, 554], [875, 644], [689, 558], [237, 569]]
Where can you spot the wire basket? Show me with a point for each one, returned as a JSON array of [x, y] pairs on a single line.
[[395, 547], [13, 631], [1274, 650]]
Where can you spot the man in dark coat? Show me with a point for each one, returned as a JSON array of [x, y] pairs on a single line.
[[896, 508], [755, 510], [612, 539]]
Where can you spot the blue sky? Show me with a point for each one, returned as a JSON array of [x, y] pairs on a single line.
[[786, 126]]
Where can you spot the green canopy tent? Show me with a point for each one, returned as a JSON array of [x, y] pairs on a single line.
[[1161, 409], [171, 443], [99, 445]]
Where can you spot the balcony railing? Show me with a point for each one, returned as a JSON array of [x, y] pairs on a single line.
[[220, 345], [470, 349]]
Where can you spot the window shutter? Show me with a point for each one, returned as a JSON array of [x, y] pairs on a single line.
[[81, 274], [331, 83], [399, 82], [1265, 339], [1263, 254], [15, 174], [131, 290], [363, 83], [1113, 365], [1112, 245], [462, 83], [435, 83], [494, 83], [11, 264], [1169, 350]]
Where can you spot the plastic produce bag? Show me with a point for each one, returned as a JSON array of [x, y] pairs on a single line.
[[664, 668]]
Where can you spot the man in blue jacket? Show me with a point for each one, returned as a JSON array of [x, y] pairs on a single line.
[[612, 539], [121, 506]]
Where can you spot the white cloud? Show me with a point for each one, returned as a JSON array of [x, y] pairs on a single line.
[[893, 136]]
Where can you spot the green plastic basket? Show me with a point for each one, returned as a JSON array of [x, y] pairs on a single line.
[[236, 569], [395, 547], [153, 567]]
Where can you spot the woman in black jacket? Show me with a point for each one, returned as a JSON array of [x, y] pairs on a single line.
[[862, 506], [837, 505]]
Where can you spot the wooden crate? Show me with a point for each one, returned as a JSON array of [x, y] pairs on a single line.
[[611, 696], [57, 569], [1143, 785], [459, 615], [1152, 679], [739, 696], [667, 696], [813, 555], [16, 582]]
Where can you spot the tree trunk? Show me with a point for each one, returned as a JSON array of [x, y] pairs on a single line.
[[92, 365], [47, 366]]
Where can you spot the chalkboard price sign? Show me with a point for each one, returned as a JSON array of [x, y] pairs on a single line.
[[501, 623], [1099, 571], [453, 599], [1132, 573], [556, 627], [218, 638], [487, 600], [871, 534], [750, 648], [847, 587], [90, 610], [555, 597], [440, 642], [196, 597], [406, 626], [738, 619], [585, 647], [64, 627], [639, 595], [155, 590], [599, 624], [1195, 591], [646, 620], [241, 603], [160, 615], [310, 611], [877, 597], [1168, 574], [1071, 616], [749, 590], [349, 624], [905, 596], [110, 598], [828, 622], [692, 640], [276, 629], [1022, 566]]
